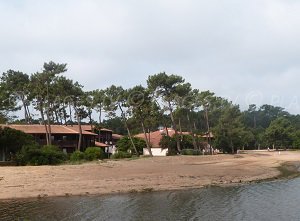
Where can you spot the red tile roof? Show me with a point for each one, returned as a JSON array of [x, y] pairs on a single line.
[[208, 135], [40, 129], [156, 136], [105, 129], [117, 136], [89, 127], [83, 127], [99, 144]]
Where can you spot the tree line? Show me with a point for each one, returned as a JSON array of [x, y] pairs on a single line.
[[166, 101]]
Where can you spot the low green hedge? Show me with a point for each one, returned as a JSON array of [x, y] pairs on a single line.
[[47, 155], [77, 156], [190, 152], [121, 155], [93, 153]]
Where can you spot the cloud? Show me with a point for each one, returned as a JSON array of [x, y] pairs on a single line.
[[235, 48]]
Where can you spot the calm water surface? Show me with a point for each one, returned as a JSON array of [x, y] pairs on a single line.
[[264, 201]]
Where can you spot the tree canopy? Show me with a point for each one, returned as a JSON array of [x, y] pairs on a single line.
[[163, 101]]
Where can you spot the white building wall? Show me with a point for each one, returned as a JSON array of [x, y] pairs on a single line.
[[155, 152]]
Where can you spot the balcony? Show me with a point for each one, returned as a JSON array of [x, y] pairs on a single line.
[[60, 143]]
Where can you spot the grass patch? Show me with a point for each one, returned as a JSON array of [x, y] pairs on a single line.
[[133, 191], [147, 190], [289, 170]]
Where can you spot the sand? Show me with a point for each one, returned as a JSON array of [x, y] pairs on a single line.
[[146, 174]]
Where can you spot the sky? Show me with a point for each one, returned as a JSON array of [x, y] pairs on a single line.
[[245, 50]]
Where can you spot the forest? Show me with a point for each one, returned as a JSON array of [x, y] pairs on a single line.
[[165, 100]]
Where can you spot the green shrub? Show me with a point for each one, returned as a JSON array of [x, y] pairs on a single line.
[[190, 152], [14, 140], [187, 142], [93, 153], [33, 155], [172, 152], [77, 156], [169, 143], [124, 144], [121, 155], [27, 153], [53, 154]]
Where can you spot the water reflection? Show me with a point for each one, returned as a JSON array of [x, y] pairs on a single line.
[[264, 201]]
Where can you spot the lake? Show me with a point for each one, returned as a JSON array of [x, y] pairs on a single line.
[[278, 200]]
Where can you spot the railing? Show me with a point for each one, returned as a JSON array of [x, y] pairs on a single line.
[[60, 143]]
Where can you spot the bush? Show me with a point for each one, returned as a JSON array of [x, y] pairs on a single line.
[[187, 142], [14, 140], [33, 155], [121, 155], [169, 143], [93, 153], [27, 152], [190, 152], [172, 152], [54, 155], [296, 140], [124, 144], [77, 156]]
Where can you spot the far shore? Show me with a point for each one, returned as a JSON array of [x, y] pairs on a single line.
[[146, 174]]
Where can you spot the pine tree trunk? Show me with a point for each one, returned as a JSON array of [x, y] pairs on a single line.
[[90, 117], [49, 127], [56, 116], [232, 147], [149, 136], [60, 119], [25, 109], [29, 115], [166, 128], [80, 131], [146, 138], [44, 122], [130, 137], [208, 131], [192, 132], [180, 129], [26, 114], [70, 112], [127, 128], [175, 128], [100, 116], [65, 114]]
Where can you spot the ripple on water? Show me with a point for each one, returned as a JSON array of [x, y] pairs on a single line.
[[263, 201]]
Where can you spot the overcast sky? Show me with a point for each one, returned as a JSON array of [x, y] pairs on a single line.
[[248, 51]]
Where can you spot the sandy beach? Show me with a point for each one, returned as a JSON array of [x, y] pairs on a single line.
[[146, 174]]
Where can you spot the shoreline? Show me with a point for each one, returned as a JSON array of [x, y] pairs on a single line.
[[146, 175], [288, 170]]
